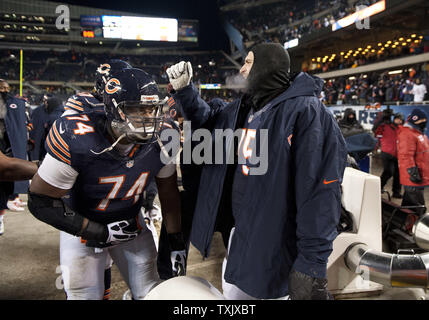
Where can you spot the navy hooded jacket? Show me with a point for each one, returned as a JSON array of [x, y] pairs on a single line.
[[16, 127], [287, 217], [39, 117]]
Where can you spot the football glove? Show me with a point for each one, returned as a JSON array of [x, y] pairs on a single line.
[[122, 231], [178, 263], [180, 75], [178, 254], [414, 175], [304, 287]]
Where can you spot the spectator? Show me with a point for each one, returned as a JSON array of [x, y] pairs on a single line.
[[349, 125], [413, 157], [419, 91], [408, 95], [386, 133]]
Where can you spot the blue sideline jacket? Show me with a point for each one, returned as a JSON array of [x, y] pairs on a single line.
[[287, 217]]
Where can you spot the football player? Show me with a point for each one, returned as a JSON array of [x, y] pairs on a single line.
[[84, 102], [90, 184]]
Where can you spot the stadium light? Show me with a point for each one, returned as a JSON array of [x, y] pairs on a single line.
[[389, 42], [369, 47], [359, 15], [291, 43], [379, 44], [413, 35], [416, 41], [401, 39], [408, 40], [404, 43], [395, 72], [421, 37]]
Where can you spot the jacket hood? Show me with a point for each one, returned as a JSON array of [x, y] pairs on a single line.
[[303, 84]]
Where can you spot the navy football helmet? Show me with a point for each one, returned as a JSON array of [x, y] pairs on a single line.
[[103, 72], [133, 104]]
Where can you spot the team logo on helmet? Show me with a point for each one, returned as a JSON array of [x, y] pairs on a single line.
[[104, 68], [112, 86], [414, 118]]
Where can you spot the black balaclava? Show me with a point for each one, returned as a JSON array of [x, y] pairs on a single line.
[[346, 120], [269, 75]]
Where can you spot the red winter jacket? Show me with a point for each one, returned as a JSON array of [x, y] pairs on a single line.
[[387, 134], [413, 150]]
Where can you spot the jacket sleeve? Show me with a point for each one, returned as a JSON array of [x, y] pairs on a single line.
[[319, 157], [196, 109], [406, 149]]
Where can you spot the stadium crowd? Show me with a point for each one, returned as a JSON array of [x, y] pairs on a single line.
[[341, 62], [409, 86], [79, 67], [272, 22]]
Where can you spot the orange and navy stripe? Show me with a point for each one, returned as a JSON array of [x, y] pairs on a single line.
[[58, 147], [171, 102], [106, 294], [74, 105]]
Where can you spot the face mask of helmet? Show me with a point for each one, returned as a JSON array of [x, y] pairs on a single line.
[[140, 122]]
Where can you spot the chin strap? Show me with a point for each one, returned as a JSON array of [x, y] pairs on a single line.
[[112, 146], [161, 145]]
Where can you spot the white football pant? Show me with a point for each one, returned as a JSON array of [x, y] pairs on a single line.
[[83, 267]]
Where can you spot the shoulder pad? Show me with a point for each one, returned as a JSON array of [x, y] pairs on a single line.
[[83, 102], [57, 142]]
